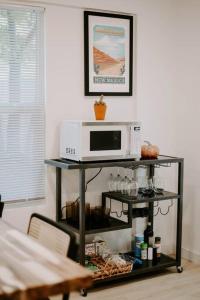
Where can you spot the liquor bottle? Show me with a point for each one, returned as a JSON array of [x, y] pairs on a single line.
[[158, 246]]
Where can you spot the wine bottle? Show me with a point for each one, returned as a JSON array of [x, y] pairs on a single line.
[[148, 233]]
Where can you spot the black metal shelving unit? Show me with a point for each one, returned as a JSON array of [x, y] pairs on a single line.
[[114, 223]]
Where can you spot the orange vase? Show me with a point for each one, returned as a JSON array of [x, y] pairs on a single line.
[[100, 111]]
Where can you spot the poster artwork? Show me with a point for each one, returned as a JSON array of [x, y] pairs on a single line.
[[108, 54]]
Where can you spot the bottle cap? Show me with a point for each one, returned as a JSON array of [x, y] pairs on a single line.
[[143, 246], [157, 239]]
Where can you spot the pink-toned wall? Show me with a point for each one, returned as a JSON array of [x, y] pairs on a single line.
[[154, 85]]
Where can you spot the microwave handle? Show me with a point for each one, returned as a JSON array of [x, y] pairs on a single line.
[[135, 140], [129, 140]]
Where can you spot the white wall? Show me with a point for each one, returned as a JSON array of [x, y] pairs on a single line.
[[153, 98], [187, 107]]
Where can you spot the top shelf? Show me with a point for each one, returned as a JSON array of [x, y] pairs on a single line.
[[70, 165]]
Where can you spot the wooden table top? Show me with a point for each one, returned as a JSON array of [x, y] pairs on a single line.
[[29, 271]]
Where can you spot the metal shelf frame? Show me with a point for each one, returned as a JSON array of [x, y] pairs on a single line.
[[162, 161]]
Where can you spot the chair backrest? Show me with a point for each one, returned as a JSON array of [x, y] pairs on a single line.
[[1, 207], [52, 235]]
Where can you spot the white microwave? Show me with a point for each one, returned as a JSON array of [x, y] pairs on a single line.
[[100, 140]]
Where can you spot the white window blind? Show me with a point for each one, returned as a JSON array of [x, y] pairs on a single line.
[[22, 136]]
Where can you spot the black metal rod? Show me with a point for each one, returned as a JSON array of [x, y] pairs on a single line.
[[151, 171], [130, 214], [82, 216], [179, 213], [151, 204], [58, 194], [67, 164], [103, 201]]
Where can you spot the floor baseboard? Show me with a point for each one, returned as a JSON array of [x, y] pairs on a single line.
[[190, 255]]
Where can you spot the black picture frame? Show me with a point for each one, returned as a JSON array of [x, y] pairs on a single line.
[[111, 29]]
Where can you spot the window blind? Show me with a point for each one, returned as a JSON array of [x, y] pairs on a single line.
[[22, 118]]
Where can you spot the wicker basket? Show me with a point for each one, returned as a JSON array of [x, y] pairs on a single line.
[[107, 269]]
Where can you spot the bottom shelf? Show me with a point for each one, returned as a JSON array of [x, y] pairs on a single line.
[[147, 267]]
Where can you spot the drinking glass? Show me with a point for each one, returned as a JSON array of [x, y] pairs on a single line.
[[111, 183], [118, 183]]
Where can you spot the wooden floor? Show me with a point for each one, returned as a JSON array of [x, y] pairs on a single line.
[[168, 285]]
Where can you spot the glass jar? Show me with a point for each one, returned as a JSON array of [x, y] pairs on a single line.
[[133, 188]]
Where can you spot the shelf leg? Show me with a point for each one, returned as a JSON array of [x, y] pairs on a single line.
[[82, 216], [130, 217], [151, 211], [103, 201], [179, 213], [58, 194]]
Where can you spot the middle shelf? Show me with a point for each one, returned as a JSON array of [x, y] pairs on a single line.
[[109, 223], [140, 199]]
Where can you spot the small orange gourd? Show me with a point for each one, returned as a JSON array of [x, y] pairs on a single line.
[[149, 151]]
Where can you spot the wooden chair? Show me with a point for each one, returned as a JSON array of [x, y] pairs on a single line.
[[53, 236]]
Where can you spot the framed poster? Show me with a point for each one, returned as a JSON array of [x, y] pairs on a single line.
[[108, 50]]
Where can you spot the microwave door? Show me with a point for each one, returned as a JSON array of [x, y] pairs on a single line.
[[105, 140]]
